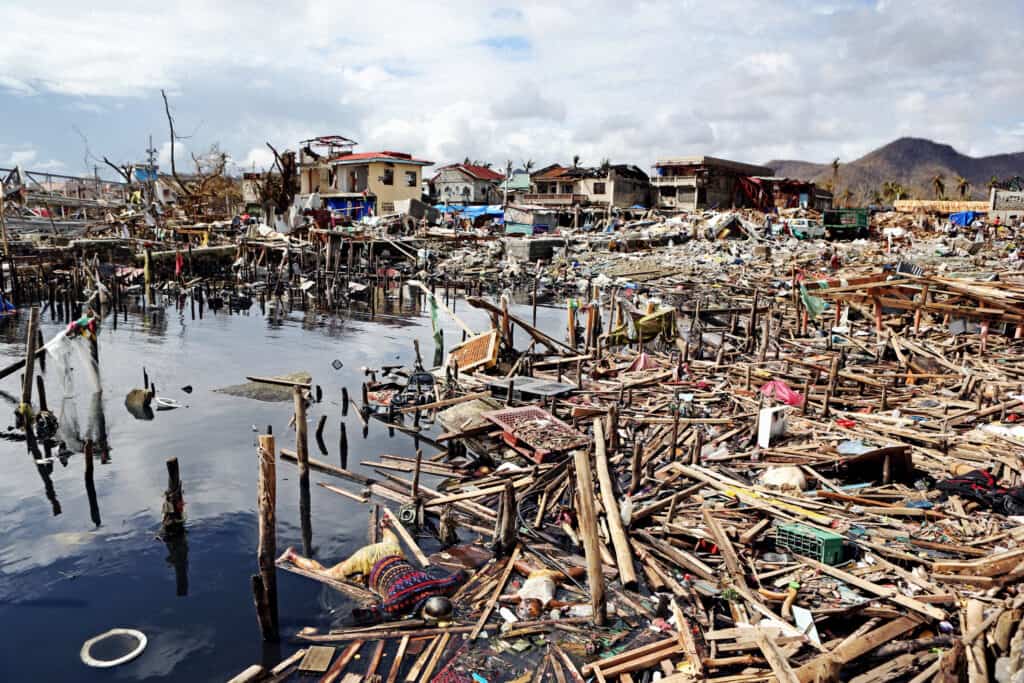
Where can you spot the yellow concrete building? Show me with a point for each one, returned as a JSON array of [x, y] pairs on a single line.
[[358, 183]]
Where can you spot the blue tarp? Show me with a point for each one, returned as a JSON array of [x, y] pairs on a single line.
[[964, 218], [357, 208], [472, 211]]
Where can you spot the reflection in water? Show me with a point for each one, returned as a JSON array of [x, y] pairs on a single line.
[[90, 487], [177, 557], [98, 426], [304, 515]]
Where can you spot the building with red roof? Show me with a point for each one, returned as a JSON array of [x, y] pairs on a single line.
[[466, 184], [358, 183]]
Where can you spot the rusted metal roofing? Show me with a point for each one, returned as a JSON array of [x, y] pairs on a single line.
[[362, 157]]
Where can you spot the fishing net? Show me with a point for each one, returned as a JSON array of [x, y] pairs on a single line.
[[73, 366]]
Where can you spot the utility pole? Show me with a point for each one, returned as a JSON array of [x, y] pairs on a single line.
[[151, 171], [508, 177]]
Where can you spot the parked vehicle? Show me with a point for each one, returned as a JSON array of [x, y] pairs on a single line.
[[846, 224], [806, 228]]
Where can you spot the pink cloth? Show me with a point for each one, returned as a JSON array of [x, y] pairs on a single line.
[[780, 391]]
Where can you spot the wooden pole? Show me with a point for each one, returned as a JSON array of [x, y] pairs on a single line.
[[26, 386], [588, 530], [147, 270], [174, 502], [266, 594], [302, 455], [623, 554]]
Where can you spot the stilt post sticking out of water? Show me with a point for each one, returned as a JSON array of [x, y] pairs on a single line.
[[264, 584], [147, 275], [174, 502], [302, 456], [26, 387]]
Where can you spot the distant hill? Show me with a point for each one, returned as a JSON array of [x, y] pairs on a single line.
[[911, 162]]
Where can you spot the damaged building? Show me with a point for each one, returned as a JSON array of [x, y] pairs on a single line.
[[610, 185], [357, 183], [702, 182], [466, 184]]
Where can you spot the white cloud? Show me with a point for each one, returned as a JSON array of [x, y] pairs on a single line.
[[21, 157], [182, 159], [260, 158], [625, 81]]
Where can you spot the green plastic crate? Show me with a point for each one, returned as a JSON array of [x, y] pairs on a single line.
[[824, 546]]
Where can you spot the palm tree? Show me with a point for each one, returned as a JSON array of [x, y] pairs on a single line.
[[576, 161], [939, 185], [898, 191], [835, 174], [845, 197], [528, 166], [993, 183], [963, 186]]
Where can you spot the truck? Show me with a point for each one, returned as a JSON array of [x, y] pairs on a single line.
[[846, 224]]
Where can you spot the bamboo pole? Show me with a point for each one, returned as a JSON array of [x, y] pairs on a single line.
[[588, 530], [620, 542]]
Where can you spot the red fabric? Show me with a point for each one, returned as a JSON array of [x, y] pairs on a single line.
[[179, 263], [779, 390]]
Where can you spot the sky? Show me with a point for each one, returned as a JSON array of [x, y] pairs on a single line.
[[494, 81]]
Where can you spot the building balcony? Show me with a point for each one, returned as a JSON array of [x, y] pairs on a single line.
[[560, 198], [674, 181]]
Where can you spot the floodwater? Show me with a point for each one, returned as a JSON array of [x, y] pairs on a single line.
[[65, 579]]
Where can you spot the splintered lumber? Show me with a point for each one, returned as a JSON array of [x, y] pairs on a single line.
[[444, 403], [821, 667], [623, 553], [396, 662], [382, 633], [428, 672], [339, 665], [510, 565], [354, 592], [637, 659], [732, 560], [775, 658], [892, 594], [588, 529], [977, 666]]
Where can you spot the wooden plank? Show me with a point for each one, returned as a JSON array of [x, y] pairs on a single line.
[[317, 659], [776, 660], [620, 542], [873, 588]]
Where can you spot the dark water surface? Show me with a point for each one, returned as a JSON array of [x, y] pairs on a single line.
[[64, 580]]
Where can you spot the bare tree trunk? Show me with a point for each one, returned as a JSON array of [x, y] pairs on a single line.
[[170, 124]]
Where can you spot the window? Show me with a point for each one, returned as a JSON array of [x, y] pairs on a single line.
[[566, 188], [599, 188], [410, 178], [389, 176]]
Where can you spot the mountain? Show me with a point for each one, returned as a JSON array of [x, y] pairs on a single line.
[[911, 162]]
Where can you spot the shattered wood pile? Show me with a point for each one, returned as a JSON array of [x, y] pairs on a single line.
[[756, 493]]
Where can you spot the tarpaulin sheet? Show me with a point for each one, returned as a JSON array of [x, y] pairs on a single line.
[[472, 211], [963, 218]]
